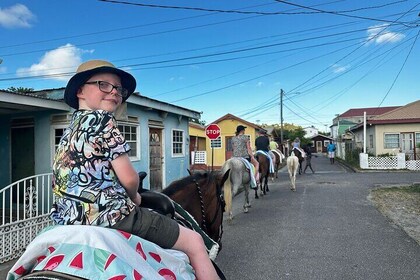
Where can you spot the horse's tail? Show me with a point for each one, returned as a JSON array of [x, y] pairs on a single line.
[[227, 188]]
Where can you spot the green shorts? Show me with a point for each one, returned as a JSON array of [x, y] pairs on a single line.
[[151, 226]]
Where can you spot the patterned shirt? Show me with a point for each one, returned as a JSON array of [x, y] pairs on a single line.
[[87, 187], [239, 146]]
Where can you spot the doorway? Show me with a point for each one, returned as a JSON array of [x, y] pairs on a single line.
[[155, 158], [22, 152]]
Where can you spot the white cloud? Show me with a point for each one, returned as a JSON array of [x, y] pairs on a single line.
[[380, 34], [3, 69], [339, 68], [16, 16], [64, 59], [260, 84]]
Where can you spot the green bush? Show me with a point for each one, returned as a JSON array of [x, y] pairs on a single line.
[[352, 156]]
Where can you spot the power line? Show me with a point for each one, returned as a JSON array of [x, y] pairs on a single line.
[[399, 72], [340, 14]]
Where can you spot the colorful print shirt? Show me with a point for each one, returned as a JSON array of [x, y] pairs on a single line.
[[239, 146], [87, 188]]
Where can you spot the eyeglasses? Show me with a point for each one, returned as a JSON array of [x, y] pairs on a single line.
[[107, 88]]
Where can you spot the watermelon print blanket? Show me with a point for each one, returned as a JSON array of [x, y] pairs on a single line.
[[93, 252]]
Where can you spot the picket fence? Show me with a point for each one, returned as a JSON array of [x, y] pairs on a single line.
[[391, 162]]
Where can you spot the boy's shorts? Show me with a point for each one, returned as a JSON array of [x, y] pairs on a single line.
[[151, 226]]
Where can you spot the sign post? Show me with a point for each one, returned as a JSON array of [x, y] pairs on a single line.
[[213, 132]]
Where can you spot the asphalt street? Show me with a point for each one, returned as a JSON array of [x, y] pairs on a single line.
[[327, 229]]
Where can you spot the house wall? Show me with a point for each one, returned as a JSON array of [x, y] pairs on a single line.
[[392, 128], [228, 129], [173, 167], [42, 144]]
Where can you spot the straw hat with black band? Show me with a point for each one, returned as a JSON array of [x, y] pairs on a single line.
[[87, 70]]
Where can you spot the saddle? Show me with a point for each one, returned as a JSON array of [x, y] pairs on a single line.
[[156, 201]]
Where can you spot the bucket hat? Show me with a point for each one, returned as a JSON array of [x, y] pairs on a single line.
[[87, 70]]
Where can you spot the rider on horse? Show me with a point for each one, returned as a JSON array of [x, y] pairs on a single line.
[[93, 177], [242, 148]]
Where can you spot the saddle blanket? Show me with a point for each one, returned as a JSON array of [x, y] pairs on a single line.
[[251, 168], [94, 252], [269, 158], [281, 156]]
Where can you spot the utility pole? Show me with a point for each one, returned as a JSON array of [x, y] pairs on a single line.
[[281, 115]]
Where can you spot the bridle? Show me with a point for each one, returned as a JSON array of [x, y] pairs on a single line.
[[220, 207]]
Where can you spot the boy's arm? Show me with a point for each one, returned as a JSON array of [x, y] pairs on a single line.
[[127, 176]]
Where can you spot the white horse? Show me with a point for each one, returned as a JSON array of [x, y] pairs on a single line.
[[239, 176], [292, 167]]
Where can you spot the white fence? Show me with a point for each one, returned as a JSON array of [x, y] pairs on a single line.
[[391, 162], [199, 157], [25, 207]]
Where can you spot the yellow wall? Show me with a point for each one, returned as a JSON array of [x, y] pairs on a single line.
[[227, 128]]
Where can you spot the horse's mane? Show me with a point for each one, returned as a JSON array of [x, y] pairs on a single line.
[[184, 182]]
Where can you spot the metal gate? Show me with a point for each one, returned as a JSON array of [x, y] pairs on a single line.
[[25, 207]]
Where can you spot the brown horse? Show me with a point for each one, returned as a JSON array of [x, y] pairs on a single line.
[[264, 170], [277, 161], [200, 194]]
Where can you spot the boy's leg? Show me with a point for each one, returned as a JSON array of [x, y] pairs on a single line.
[[192, 244]]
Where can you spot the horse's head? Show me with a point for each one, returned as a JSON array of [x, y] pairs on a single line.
[[200, 194]]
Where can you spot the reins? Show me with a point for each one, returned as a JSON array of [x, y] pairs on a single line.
[[220, 202]]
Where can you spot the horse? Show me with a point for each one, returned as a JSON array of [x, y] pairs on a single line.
[[117, 253], [200, 194], [292, 167], [278, 160], [239, 176], [298, 154], [264, 170]]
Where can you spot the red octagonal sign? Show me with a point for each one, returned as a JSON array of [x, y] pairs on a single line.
[[213, 131]]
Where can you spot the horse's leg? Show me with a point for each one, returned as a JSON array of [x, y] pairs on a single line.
[[246, 202], [266, 185]]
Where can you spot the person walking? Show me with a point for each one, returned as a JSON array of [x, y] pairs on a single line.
[[93, 178], [308, 151], [331, 151]]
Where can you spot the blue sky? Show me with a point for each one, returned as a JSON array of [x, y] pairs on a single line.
[[220, 57]]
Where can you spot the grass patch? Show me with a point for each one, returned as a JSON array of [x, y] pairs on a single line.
[[404, 189]]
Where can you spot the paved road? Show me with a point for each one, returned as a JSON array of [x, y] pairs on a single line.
[[327, 229]]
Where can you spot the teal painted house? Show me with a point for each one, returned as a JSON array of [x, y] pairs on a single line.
[[32, 124]]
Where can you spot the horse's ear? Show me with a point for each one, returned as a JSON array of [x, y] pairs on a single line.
[[225, 177]]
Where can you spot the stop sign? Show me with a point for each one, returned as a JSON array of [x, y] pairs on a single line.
[[213, 131]]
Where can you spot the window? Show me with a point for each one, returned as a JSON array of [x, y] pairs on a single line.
[[177, 143], [58, 133], [417, 138], [130, 133], [370, 141], [326, 143], [391, 141]]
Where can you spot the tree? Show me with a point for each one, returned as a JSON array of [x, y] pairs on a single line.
[[290, 132], [20, 89], [202, 122]]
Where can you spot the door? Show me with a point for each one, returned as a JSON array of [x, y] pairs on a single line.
[[319, 146], [155, 160], [407, 144], [23, 156], [229, 149]]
